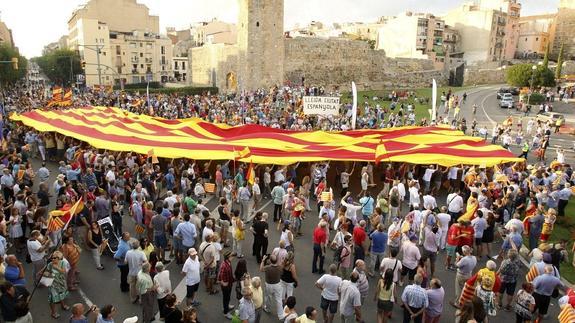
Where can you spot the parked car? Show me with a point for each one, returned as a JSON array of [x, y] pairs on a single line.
[[551, 116], [507, 102], [504, 90]]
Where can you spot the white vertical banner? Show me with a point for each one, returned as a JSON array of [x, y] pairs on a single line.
[[434, 101], [354, 107]]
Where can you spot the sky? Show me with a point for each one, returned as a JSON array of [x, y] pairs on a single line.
[[35, 23]]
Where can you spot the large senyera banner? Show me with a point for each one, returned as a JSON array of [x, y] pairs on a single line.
[[115, 129]]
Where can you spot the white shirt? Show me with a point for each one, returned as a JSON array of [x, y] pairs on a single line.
[[279, 176], [401, 191], [162, 280], [33, 247], [192, 270], [256, 189], [428, 173], [454, 203], [414, 195], [452, 174], [429, 202], [389, 263], [206, 232], [330, 286], [110, 176], [443, 219], [267, 178]]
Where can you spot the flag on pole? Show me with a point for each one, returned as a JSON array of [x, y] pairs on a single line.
[[59, 219], [354, 107], [434, 101], [251, 174]]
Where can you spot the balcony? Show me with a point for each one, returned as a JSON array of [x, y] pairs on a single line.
[[134, 71], [148, 60], [134, 59]]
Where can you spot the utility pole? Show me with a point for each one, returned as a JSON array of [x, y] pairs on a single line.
[[99, 67]]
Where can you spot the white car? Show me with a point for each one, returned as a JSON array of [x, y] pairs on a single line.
[[507, 102]]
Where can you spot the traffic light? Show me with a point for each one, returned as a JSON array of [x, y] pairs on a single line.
[[83, 65], [15, 63]]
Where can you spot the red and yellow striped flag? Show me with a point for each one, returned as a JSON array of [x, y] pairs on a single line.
[[115, 129], [251, 174], [59, 219], [567, 314], [67, 99]]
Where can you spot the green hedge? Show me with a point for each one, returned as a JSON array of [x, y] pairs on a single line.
[[188, 90], [537, 98]]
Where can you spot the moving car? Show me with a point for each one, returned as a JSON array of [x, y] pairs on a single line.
[[551, 116], [507, 102]]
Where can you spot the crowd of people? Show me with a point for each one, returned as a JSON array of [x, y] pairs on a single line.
[[384, 242]]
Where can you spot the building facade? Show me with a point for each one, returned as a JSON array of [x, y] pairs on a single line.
[[535, 34], [420, 36], [116, 49], [6, 35], [180, 69], [62, 43]]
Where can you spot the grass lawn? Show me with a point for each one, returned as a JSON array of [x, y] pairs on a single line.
[[421, 109], [565, 229]]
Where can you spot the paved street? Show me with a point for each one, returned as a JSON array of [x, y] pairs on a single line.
[[102, 287], [489, 113]]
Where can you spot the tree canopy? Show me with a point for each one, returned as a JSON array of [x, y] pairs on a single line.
[[61, 66], [8, 74], [520, 75]]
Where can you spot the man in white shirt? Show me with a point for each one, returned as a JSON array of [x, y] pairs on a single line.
[[279, 175], [329, 286], [191, 270], [429, 202], [443, 218], [111, 174], [163, 287], [427, 177], [37, 247], [452, 177], [414, 194], [135, 258], [454, 205], [479, 225], [352, 208]]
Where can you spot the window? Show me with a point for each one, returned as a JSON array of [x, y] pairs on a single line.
[[141, 65], [104, 53], [141, 54], [149, 46], [183, 65], [257, 24], [163, 50], [175, 65], [118, 50], [141, 44], [536, 38]]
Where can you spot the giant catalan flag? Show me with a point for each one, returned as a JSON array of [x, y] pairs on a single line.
[[115, 129]]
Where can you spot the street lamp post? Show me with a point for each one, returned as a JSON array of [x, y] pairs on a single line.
[[533, 68], [97, 49]]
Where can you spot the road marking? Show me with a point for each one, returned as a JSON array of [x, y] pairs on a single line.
[[483, 108], [258, 210], [85, 298]]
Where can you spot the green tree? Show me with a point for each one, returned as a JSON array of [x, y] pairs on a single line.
[[559, 63], [60, 66], [521, 75], [8, 74], [546, 58]]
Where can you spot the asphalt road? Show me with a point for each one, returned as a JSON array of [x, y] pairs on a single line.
[[102, 287], [489, 113]]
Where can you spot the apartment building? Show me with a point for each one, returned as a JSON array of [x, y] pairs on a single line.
[[535, 34], [6, 35], [116, 49]]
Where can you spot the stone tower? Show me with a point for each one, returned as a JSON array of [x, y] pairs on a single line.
[[260, 44], [565, 29]]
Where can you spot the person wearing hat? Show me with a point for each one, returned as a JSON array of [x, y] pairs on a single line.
[[163, 287], [191, 270]]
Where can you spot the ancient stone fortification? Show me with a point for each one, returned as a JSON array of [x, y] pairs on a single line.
[[475, 75], [338, 62], [326, 62]]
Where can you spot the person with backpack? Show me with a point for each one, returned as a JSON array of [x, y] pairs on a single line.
[[342, 257]]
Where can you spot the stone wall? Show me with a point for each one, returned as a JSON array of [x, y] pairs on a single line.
[[338, 62], [477, 75], [212, 65]]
